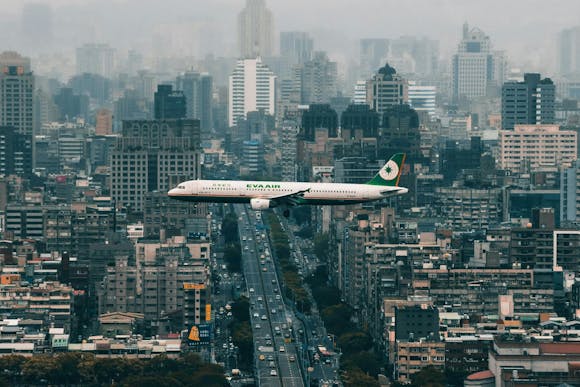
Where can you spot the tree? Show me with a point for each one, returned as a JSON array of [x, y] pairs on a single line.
[[428, 377], [233, 256], [337, 318], [11, 367], [322, 246], [352, 342], [241, 309], [356, 378], [368, 362], [326, 296], [41, 369]]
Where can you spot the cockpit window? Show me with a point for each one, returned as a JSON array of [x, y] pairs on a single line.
[[181, 187]]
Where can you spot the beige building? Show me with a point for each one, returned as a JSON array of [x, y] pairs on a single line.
[[412, 357], [532, 146], [104, 124]]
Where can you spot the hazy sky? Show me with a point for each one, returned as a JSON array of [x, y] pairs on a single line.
[[526, 29]]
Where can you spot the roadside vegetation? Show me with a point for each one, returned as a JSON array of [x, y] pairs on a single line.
[[82, 369], [359, 363], [241, 331], [232, 249], [293, 285]]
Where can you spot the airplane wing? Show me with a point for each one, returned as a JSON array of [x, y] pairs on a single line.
[[291, 199]]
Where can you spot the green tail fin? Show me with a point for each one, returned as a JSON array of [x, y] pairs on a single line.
[[390, 173]]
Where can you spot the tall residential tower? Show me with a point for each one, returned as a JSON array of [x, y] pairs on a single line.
[[252, 87]]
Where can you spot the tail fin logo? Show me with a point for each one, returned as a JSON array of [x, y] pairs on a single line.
[[390, 171]]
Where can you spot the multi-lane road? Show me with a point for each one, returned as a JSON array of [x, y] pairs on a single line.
[[276, 353]]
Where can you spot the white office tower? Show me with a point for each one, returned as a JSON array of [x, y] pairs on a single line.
[[359, 96], [252, 87], [255, 30], [476, 69], [422, 98]]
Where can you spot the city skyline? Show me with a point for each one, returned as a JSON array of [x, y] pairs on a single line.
[[526, 30]]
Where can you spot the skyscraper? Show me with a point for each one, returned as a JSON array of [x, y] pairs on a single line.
[[319, 77], [96, 59], [198, 91], [153, 156], [255, 30], [296, 46], [169, 103], [528, 102], [569, 51], [422, 98], [252, 87], [16, 93], [385, 89], [475, 67]]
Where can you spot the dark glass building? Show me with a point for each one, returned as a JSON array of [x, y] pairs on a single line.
[[528, 102], [169, 104], [319, 116]]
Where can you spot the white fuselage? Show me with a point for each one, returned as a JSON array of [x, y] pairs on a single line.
[[238, 191]]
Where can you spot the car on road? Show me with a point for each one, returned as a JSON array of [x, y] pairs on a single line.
[[251, 290], [264, 317], [256, 315], [282, 349], [264, 269], [272, 364], [273, 311], [292, 358], [275, 290], [258, 326], [278, 297], [273, 373], [260, 299]]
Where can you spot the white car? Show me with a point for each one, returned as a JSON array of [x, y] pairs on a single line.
[[264, 317], [273, 373], [256, 315], [282, 349]]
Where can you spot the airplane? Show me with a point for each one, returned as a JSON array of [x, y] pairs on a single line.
[[268, 194]]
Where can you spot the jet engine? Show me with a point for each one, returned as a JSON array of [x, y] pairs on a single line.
[[260, 204]]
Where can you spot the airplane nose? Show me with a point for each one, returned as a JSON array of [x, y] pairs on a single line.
[[171, 192]]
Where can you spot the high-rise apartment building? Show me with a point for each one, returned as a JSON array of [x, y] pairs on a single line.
[[255, 30], [169, 103], [153, 156], [475, 68], [104, 126], [198, 91], [252, 87], [15, 152], [359, 96], [532, 146], [569, 51], [319, 77], [96, 59], [296, 46], [288, 146], [529, 102], [423, 98], [386, 89], [16, 93]]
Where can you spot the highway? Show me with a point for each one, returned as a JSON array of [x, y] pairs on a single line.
[[276, 358]]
